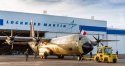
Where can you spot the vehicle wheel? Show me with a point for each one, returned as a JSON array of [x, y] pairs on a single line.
[[97, 59], [114, 60], [106, 60]]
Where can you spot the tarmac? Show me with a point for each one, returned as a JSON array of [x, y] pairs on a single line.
[[19, 60]]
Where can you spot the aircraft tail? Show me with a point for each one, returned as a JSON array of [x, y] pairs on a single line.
[[32, 32]]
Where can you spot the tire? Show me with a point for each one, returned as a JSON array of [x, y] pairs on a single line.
[[78, 58], [106, 60], [43, 57], [97, 59], [114, 60]]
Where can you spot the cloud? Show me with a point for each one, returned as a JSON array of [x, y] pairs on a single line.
[[107, 4], [99, 3], [112, 11], [48, 2]]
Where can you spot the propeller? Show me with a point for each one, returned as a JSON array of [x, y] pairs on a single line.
[[98, 40], [9, 39]]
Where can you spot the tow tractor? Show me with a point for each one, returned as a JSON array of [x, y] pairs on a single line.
[[104, 54]]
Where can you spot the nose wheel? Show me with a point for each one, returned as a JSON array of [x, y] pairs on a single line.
[[79, 58]]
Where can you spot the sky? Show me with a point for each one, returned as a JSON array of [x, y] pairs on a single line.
[[112, 11]]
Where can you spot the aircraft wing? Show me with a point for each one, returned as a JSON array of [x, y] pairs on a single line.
[[17, 38], [108, 40], [24, 40], [3, 37], [104, 40]]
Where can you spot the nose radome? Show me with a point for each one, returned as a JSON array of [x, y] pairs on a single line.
[[87, 47]]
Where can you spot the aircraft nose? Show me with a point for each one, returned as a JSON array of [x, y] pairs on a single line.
[[87, 47]]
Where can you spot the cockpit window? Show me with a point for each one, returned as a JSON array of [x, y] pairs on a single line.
[[99, 50], [107, 50]]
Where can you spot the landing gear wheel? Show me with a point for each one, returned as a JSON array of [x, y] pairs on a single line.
[[97, 59], [44, 56], [60, 56], [114, 60], [79, 58]]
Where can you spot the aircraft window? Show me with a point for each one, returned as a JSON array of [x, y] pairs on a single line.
[[34, 23], [50, 25], [16, 22], [60, 25], [21, 23], [45, 24], [53, 25], [26, 23], [38, 24], [7, 22], [12, 22], [64, 25], [57, 25]]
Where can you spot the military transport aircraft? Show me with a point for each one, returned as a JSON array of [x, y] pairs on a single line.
[[75, 44]]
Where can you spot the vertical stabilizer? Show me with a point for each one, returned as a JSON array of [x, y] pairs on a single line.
[[32, 32]]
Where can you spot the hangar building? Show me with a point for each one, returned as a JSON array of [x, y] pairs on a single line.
[[50, 26]]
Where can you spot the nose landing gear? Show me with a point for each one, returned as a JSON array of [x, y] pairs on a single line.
[[81, 57]]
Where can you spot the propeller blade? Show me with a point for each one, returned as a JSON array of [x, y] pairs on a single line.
[[101, 43], [98, 37], [95, 38]]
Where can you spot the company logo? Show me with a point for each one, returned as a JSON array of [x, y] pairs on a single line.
[[1, 21], [72, 24], [61, 25]]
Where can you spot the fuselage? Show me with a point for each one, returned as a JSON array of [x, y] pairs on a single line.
[[66, 45]]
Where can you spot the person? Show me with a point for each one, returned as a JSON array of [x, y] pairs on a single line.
[[35, 55], [117, 53], [90, 55], [26, 54]]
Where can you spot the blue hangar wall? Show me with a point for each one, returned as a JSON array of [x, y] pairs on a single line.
[[117, 34], [51, 24]]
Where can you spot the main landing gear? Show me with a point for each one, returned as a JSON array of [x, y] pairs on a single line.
[[60, 56]]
